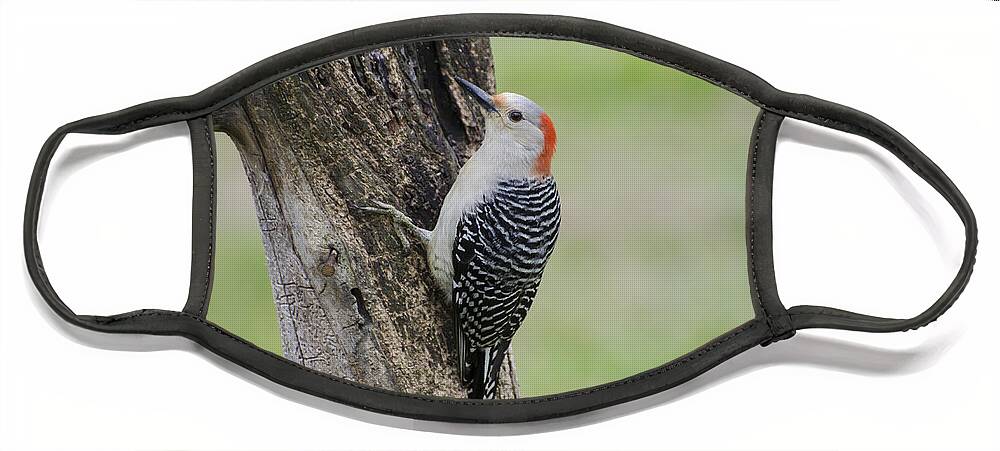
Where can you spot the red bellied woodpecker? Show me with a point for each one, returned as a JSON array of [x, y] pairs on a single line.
[[495, 232]]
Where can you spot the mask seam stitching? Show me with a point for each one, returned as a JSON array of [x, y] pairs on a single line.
[[753, 223], [666, 368], [211, 221]]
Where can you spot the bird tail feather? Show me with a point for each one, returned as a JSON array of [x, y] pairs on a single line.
[[483, 366]]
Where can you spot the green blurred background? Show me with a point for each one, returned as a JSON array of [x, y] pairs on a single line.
[[651, 258]]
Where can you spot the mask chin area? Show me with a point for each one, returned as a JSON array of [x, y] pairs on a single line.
[[855, 228], [115, 224]]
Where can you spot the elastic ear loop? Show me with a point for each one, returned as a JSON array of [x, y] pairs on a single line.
[[864, 125], [147, 321]]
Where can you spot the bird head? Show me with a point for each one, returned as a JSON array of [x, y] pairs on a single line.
[[519, 124]]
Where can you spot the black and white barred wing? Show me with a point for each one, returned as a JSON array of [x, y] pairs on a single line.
[[501, 248]]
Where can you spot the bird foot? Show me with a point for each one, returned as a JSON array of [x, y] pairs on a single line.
[[402, 223]]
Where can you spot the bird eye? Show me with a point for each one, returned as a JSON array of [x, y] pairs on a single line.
[[515, 116]]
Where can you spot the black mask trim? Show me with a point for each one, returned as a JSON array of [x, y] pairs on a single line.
[[202, 214], [772, 322], [760, 174]]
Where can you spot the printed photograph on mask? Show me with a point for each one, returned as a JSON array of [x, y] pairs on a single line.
[[482, 218]]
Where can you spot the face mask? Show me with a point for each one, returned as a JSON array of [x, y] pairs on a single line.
[[486, 218]]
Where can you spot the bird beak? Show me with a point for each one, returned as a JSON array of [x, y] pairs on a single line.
[[485, 99]]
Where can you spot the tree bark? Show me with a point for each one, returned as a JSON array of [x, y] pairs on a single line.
[[354, 296]]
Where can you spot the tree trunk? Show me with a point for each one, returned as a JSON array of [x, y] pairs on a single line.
[[355, 298]]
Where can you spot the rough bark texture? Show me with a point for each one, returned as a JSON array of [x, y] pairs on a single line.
[[354, 296]]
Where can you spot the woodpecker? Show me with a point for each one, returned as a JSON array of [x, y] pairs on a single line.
[[494, 234]]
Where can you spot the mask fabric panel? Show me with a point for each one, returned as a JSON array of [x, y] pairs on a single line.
[[651, 257]]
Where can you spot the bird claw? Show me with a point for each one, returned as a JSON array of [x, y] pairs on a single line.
[[386, 206], [399, 220], [379, 208]]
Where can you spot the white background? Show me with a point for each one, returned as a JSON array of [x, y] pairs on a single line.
[[852, 228]]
